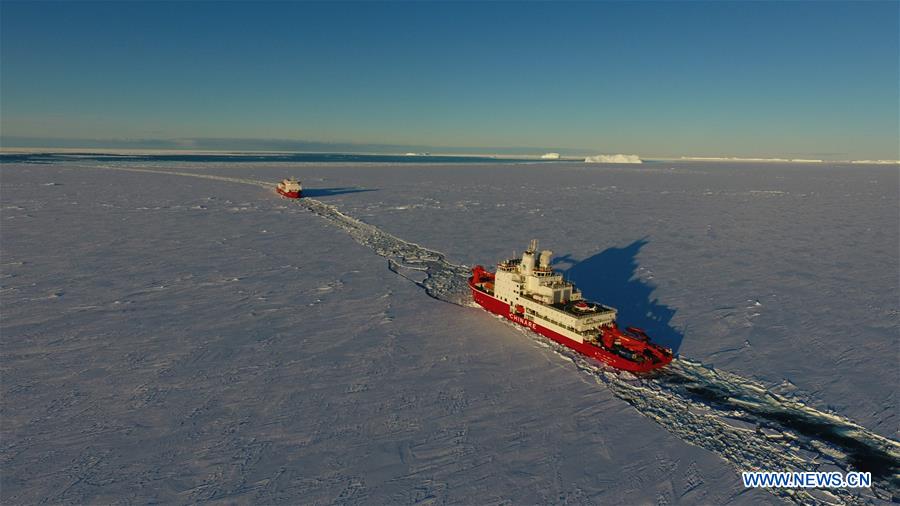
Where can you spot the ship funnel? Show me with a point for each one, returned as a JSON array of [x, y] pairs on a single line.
[[545, 258], [532, 247], [528, 262]]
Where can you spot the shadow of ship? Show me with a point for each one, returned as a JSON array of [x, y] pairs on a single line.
[[610, 277], [328, 192]]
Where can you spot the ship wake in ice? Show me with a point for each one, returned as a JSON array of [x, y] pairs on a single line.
[[427, 268], [747, 424]]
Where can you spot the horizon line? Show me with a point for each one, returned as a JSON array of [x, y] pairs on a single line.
[[273, 145], [9, 150]]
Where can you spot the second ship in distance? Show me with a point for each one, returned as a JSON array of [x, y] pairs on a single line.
[[290, 188]]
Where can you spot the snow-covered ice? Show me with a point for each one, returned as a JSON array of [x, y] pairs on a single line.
[[175, 338]]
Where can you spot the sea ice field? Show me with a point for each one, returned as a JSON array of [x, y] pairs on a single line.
[[175, 332]]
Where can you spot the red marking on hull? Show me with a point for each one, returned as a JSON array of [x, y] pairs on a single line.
[[290, 195], [501, 308]]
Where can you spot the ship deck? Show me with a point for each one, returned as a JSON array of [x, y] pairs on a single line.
[[569, 308]]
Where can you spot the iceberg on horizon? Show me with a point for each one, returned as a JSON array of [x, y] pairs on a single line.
[[618, 158], [550, 156], [877, 162]]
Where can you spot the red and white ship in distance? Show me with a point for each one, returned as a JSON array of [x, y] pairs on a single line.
[[527, 291], [290, 188]]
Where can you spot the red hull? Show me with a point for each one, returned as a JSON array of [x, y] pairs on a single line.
[[290, 195], [501, 308]]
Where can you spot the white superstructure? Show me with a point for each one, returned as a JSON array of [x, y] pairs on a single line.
[[290, 185], [537, 294]]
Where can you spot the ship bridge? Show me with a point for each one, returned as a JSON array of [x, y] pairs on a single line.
[[530, 283]]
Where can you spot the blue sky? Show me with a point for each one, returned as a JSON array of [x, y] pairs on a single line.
[[805, 79]]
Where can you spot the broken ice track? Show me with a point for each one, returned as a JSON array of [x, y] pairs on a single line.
[[750, 426]]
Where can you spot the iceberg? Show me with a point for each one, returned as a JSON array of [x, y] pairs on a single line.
[[877, 162], [618, 158]]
